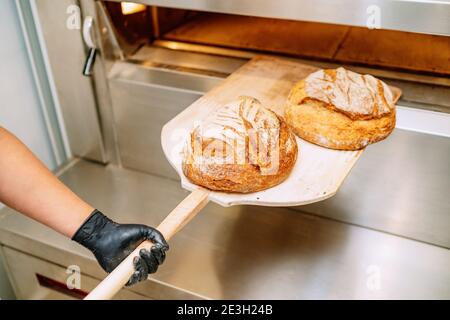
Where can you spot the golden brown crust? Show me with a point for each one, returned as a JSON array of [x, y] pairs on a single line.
[[248, 176], [326, 125], [360, 97]]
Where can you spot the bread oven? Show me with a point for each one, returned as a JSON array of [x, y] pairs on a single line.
[[192, 50], [242, 36], [154, 58]]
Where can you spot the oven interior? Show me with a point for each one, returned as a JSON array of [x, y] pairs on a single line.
[[419, 64], [138, 25]]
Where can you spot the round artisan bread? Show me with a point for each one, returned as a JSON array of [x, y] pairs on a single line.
[[242, 147], [340, 109]]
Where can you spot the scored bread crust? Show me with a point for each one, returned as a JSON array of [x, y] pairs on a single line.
[[244, 177], [327, 125]]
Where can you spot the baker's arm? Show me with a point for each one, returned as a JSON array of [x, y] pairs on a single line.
[[27, 186]]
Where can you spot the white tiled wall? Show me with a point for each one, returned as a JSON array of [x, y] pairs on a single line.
[[20, 111]]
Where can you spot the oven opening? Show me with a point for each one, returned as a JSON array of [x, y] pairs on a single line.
[[137, 25]]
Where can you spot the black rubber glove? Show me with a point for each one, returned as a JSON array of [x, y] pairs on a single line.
[[112, 242]]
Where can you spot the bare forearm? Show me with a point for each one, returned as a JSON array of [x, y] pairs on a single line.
[[27, 186]]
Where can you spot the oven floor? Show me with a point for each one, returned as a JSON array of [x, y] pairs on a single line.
[[383, 48]]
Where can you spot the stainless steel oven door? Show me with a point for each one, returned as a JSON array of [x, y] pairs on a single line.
[[59, 28]]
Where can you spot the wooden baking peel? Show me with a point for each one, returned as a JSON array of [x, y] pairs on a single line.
[[316, 176]]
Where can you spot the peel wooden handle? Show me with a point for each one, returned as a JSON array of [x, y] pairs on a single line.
[[175, 221]]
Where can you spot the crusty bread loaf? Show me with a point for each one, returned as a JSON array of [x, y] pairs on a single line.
[[340, 109], [242, 147]]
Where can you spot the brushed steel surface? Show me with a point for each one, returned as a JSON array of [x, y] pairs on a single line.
[[140, 113], [244, 251], [173, 79], [100, 83], [400, 185], [419, 90], [177, 48], [143, 102], [66, 54], [220, 62], [419, 16], [23, 269]]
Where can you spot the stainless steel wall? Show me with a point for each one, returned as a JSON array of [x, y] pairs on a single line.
[[144, 98], [66, 54]]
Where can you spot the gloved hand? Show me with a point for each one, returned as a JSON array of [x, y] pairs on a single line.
[[112, 242]]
